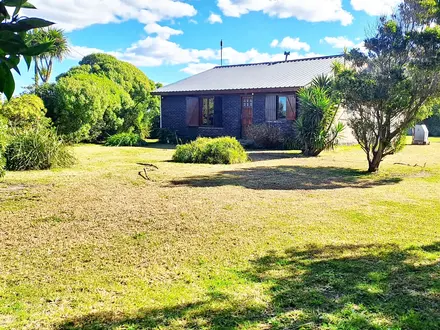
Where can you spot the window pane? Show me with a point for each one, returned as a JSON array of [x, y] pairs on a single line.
[[282, 107], [208, 111]]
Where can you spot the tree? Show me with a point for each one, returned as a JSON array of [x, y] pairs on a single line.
[[57, 51], [24, 111], [87, 107], [144, 108], [317, 129], [13, 31], [385, 90]]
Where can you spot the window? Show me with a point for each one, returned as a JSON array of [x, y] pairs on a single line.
[[207, 111], [281, 107]]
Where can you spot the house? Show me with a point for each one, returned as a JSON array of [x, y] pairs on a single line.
[[225, 100]]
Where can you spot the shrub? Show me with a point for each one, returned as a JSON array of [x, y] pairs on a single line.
[[37, 148], [25, 111], [167, 136], [317, 127], [124, 140], [265, 136], [225, 150], [3, 143]]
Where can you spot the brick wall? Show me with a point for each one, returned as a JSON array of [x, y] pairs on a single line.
[[174, 118]]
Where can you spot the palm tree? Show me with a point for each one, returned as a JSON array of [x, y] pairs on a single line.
[[58, 51]]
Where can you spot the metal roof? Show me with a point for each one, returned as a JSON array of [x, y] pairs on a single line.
[[269, 75]]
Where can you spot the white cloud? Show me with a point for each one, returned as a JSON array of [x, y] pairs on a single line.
[[290, 44], [164, 32], [343, 42], [338, 42], [194, 68], [307, 10], [214, 18], [73, 14], [375, 7]]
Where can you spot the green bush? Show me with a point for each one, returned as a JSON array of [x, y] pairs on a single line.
[[4, 137], [124, 140], [225, 150], [167, 136], [265, 136], [37, 148]]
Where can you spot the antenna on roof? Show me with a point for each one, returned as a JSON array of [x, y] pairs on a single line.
[[221, 52], [287, 54]]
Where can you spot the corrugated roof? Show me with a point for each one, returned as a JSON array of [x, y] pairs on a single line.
[[286, 74]]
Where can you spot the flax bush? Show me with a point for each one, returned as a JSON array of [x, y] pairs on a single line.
[[37, 148], [225, 150]]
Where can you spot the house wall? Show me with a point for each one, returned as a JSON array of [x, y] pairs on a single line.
[[174, 118]]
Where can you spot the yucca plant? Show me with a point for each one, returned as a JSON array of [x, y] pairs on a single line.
[[317, 127]]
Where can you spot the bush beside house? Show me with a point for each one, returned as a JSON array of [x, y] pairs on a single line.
[[225, 150]]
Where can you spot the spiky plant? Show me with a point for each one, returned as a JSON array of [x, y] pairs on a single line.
[[317, 129]]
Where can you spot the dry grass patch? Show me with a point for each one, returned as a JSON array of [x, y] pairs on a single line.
[[282, 242]]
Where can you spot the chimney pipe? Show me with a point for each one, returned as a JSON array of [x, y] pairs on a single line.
[[221, 52], [287, 54]]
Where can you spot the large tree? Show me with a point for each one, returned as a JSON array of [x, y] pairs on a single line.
[[386, 88], [13, 47], [58, 50]]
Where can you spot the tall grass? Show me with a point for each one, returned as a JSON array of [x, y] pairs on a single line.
[[38, 148]]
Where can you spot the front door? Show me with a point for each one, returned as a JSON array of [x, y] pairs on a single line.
[[247, 111]]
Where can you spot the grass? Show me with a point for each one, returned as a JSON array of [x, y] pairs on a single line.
[[283, 242]]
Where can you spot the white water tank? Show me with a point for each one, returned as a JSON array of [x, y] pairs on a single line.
[[421, 135]]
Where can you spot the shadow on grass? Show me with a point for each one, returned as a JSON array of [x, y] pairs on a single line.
[[263, 155], [332, 287], [288, 178]]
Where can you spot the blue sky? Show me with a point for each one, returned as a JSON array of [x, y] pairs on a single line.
[[170, 39]]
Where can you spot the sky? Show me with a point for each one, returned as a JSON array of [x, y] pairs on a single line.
[[170, 40]]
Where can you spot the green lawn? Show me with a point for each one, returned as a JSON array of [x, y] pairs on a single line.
[[283, 242]]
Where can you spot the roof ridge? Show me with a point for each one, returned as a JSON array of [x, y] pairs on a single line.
[[278, 62]]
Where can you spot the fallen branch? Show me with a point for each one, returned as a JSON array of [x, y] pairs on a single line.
[[416, 165], [148, 167]]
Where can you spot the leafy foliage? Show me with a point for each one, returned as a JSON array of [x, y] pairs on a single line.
[[58, 49], [4, 137], [25, 111], [265, 135], [385, 90], [433, 122], [124, 139], [13, 45], [101, 97], [167, 136], [88, 107], [37, 148], [225, 150], [317, 128]]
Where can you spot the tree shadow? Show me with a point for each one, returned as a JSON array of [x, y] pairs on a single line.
[[288, 178], [263, 155], [330, 287]]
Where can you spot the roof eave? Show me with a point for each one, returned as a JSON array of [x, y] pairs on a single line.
[[229, 91]]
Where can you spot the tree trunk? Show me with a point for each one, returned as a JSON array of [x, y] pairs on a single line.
[[374, 163], [36, 77]]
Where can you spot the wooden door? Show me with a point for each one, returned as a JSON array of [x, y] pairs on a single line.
[[247, 112]]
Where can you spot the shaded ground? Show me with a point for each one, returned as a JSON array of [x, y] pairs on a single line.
[[346, 286], [284, 242]]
